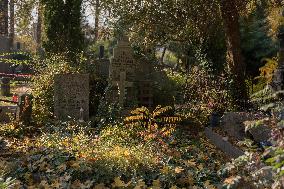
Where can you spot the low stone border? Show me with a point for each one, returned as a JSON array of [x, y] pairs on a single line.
[[225, 146]]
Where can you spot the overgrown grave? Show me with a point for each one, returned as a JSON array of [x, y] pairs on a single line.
[[236, 127], [129, 84]]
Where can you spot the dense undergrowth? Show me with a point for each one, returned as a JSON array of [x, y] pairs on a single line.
[[72, 155]]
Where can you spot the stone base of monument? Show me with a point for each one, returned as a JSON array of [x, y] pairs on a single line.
[[223, 144]]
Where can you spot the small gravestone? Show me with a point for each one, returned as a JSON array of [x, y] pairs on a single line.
[[259, 129], [71, 96], [5, 86], [102, 67]]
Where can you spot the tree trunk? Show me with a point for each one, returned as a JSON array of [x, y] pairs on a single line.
[[237, 66], [12, 23], [97, 19], [4, 18], [39, 27]]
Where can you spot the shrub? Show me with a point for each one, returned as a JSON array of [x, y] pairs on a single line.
[[204, 94], [43, 84]]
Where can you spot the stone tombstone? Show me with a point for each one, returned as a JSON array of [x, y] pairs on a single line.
[[71, 97], [102, 67], [122, 73], [5, 86]]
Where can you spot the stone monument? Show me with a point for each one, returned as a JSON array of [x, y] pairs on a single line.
[[122, 74], [71, 97]]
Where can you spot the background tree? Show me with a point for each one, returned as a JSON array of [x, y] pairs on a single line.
[[4, 17], [63, 27], [12, 22]]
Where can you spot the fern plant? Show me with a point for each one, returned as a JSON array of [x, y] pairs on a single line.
[[160, 122], [6, 183]]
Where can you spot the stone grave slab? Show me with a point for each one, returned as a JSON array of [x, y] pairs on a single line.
[[71, 96], [225, 146]]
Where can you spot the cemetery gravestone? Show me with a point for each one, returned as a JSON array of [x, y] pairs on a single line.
[[71, 96], [122, 73], [5, 86]]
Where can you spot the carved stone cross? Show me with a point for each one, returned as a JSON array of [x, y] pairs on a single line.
[[122, 84]]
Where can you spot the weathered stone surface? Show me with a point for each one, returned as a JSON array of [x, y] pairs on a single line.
[[130, 79], [233, 123], [259, 129], [122, 74], [260, 134], [102, 67], [71, 96], [222, 144]]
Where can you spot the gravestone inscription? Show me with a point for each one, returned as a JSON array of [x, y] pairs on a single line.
[[71, 96]]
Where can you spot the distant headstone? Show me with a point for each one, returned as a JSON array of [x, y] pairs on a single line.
[[102, 67], [71, 96], [5, 86]]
